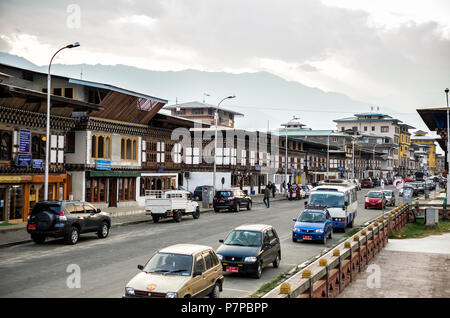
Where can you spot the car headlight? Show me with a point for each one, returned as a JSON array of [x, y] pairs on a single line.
[[251, 259], [129, 291], [171, 295], [220, 256], [319, 231]]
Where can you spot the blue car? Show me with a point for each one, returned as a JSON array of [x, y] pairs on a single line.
[[313, 224]]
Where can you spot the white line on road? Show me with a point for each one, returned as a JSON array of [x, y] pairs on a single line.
[[238, 290]]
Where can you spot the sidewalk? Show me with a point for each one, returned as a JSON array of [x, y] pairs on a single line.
[[409, 268], [17, 234]]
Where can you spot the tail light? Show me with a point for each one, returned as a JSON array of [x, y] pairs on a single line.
[[62, 216], [61, 213], [231, 198]]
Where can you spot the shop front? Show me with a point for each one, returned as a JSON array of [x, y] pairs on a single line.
[[109, 188], [19, 194]]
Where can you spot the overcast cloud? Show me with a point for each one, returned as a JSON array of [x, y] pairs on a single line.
[[378, 54]]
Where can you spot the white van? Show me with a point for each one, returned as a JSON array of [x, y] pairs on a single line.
[[340, 197]]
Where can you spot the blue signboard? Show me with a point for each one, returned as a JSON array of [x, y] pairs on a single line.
[[257, 167], [160, 170], [24, 160], [103, 165], [340, 168], [38, 163], [24, 140]]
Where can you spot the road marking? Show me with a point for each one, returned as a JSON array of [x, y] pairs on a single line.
[[238, 290]]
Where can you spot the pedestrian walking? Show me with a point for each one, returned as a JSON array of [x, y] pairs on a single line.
[[274, 189], [267, 196], [382, 184]]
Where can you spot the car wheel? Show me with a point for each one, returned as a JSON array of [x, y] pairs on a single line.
[[276, 262], [196, 214], [155, 219], [103, 231], [197, 198], [216, 210], [73, 236], [294, 240], [249, 206], [238, 207], [215, 292], [258, 272], [177, 217], [38, 239]]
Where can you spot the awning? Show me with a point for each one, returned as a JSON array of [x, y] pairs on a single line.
[[119, 174]]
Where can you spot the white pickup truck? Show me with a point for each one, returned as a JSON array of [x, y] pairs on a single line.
[[174, 203]]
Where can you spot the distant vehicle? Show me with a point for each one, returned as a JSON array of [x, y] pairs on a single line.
[[307, 188], [296, 193], [376, 182], [313, 224], [67, 219], [356, 182], [248, 248], [178, 271], [390, 197], [389, 180], [415, 190], [341, 200], [420, 186], [409, 179], [375, 199], [419, 176], [173, 203], [232, 200], [367, 183], [198, 193]]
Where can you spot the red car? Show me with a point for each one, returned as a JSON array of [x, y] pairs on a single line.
[[375, 199], [367, 183]]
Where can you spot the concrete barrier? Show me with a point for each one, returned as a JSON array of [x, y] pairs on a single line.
[[331, 273]]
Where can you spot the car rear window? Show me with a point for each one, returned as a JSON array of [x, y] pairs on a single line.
[[46, 207], [374, 195], [224, 194]]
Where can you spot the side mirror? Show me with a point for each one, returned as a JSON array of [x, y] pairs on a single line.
[[140, 267], [197, 273], [221, 241], [295, 220], [98, 210], [346, 203]]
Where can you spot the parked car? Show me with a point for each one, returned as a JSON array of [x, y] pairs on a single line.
[[248, 248], [313, 224], [170, 204], [178, 271], [375, 199], [414, 190], [390, 197], [420, 186], [307, 188], [376, 182], [232, 199], [367, 183], [198, 193], [67, 219], [389, 180]]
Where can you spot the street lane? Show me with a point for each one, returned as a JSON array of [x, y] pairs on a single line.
[[31, 270]]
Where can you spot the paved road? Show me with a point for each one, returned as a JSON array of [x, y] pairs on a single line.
[[106, 266]]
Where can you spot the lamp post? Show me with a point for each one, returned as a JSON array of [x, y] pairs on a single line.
[[215, 141], [47, 134], [448, 145], [286, 150]]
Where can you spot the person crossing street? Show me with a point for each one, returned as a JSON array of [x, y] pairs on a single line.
[[267, 196]]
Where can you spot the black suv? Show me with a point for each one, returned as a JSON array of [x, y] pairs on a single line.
[[232, 200], [248, 248], [66, 219], [198, 193]]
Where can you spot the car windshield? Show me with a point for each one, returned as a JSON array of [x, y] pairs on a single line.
[[169, 264], [330, 199], [243, 238], [366, 180], [312, 217], [374, 195], [388, 193]]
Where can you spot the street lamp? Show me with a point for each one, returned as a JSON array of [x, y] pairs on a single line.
[[47, 134], [215, 141], [286, 148], [448, 145]]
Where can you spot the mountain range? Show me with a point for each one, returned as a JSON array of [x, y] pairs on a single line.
[[266, 100]]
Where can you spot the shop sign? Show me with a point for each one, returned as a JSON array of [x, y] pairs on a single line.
[[38, 163], [24, 140], [103, 165], [24, 160]]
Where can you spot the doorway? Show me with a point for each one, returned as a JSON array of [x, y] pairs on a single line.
[[113, 192]]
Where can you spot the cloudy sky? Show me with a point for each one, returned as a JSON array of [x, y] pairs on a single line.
[[392, 53]]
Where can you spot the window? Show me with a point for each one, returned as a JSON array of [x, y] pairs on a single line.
[[199, 265], [128, 149], [385, 129], [197, 111], [57, 91], [365, 128], [100, 146], [28, 76], [5, 145], [160, 147], [70, 147], [373, 128], [181, 112], [37, 147], [68, 92], [208, 260]]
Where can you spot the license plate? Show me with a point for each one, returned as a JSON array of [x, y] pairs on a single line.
[[222, 201], [305, 237], [232, 269], [32, 226]]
